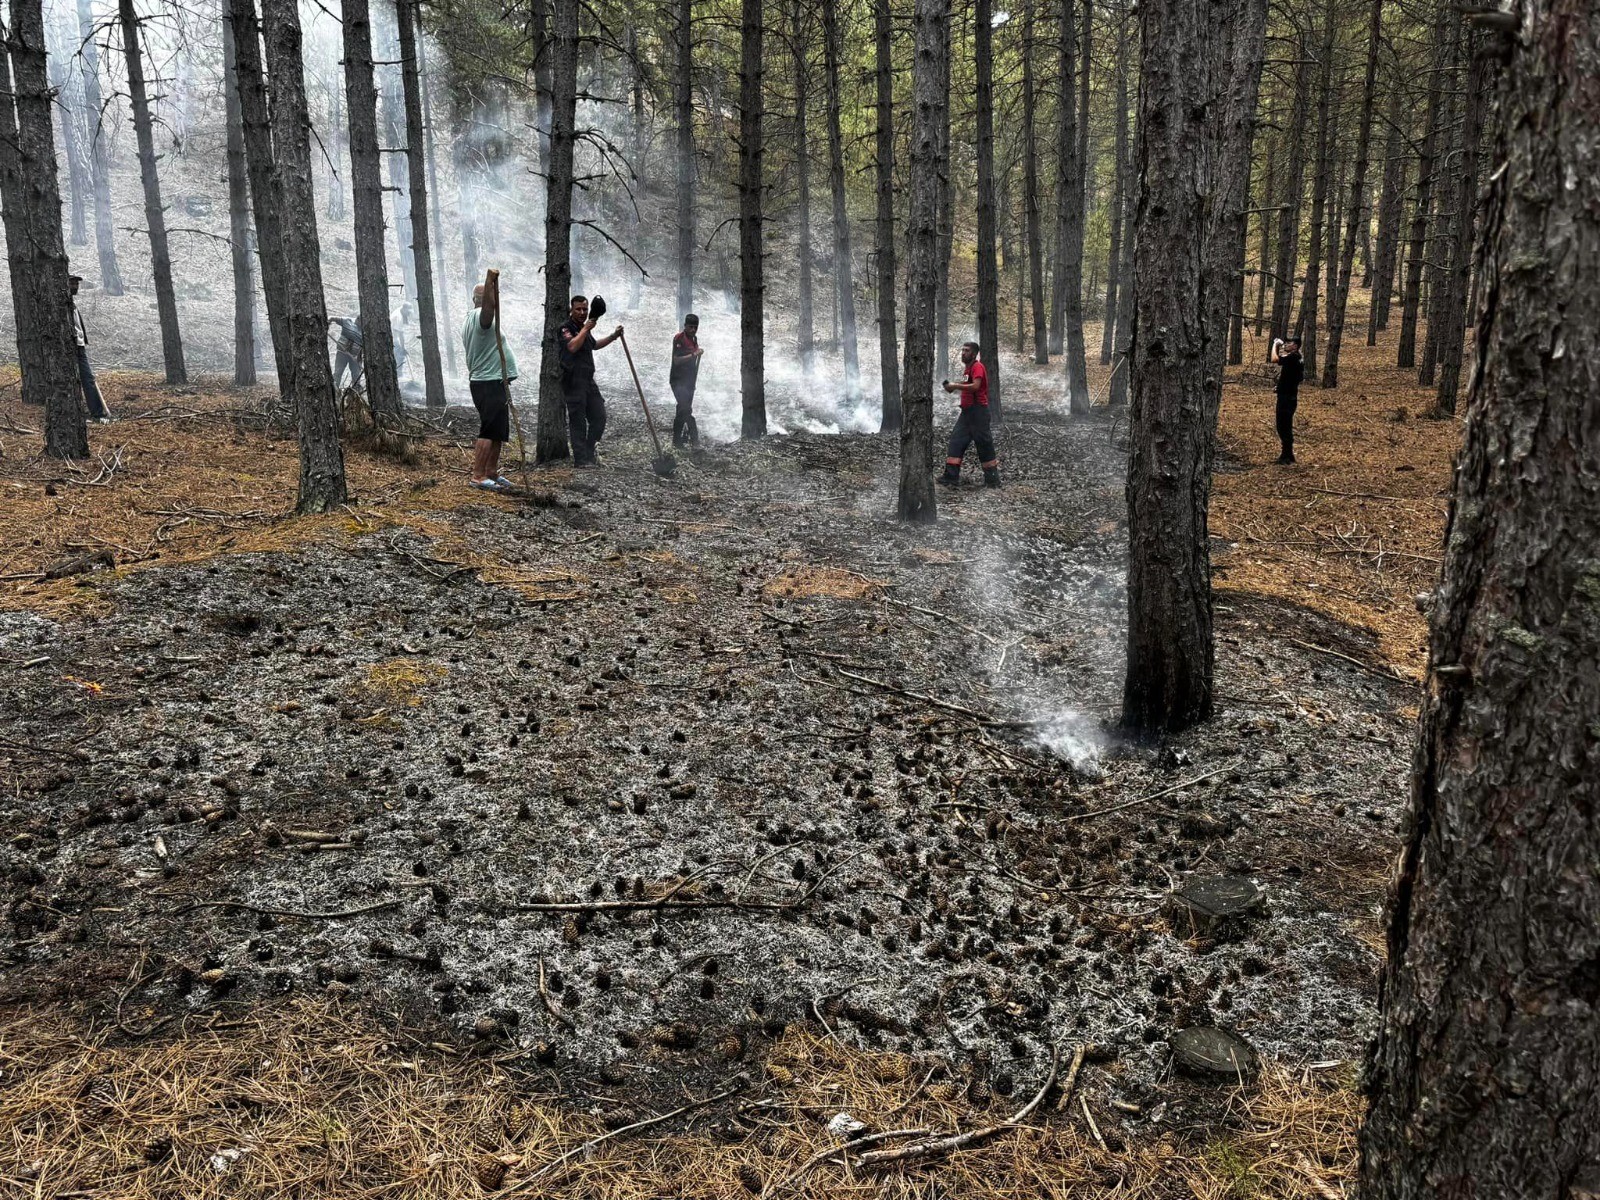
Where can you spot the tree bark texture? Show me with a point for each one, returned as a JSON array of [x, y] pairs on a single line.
[[562, 52], [154, 214], [1201, 69], [322, 483], [752, 286], [1485, 1076], [988, 264], [417, 175], [1358, 212], [1030, 190], [888, 347], [240, 236], [843, 267], [366, 186], [105, 232], [929, 115], [29, 196], [805, 315]]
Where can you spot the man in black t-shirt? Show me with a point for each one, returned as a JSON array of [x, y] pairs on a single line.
[[586, 407], [1291, 370], [685, 372]]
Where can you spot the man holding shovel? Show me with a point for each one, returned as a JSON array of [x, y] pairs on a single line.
[[586, 407], [490, 369]]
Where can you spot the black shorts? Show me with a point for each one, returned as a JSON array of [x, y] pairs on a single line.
[[494, 414]]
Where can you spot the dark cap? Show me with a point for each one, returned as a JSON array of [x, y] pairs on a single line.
[[74, 278]]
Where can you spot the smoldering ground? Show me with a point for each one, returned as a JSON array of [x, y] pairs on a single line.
[[690, 761]]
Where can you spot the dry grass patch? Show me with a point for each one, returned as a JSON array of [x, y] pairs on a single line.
[[812, 581]]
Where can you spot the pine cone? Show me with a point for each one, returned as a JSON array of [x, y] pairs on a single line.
[[751, 1178], [944, 1091], [892, 1068], [569, 931], [780, 1074], [491, 1173], [731, 1047]]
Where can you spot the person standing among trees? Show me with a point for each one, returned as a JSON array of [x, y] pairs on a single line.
[[490, 369], [972, 426], [685, 372], [80, 336], [1291, 370], [586, 407]]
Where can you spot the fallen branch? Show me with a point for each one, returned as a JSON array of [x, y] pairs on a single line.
[[288, 912], [550, 1005], [938, 1147], [1381, 672], [649, 905], [1072, 1077], [1100, 812], [588, 1147], [869, 1139]]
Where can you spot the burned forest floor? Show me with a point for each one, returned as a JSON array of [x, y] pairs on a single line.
[[401, 850]]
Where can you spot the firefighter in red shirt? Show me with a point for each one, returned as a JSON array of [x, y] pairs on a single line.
[[972, 426]]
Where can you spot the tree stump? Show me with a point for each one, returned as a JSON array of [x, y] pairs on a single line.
[[1215, 906]]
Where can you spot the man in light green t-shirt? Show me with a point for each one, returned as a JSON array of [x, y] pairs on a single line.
[[488, 374]]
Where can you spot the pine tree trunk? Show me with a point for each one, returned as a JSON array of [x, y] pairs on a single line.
[[1077, 364], [467, 188], [947, 223], [1294, 182], [1411, 296], [1030, 190], [392, 137], [1452, 326], [431, 153], [1120, 154], [1127, 294], [752, 288], [1236, 301], [1435, 265], [336, 150], [1269, 189], [543, 85], [1322, 178], [366, 186], [683, 106], [29, 196], [843, 266], [71, 139], [265, 203], [1357, 216], [1485, 1076], [322, 483], [805, 318], [154, 214], [562, 52], [929, 117], [988, 267], [1201, 68], [888, 347], [1390, 202], [241, 238], [1069, 174], [105, 232], [417, 174]]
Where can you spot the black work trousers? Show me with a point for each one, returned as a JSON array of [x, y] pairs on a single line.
[[1287, 403], [586, 414], [972, 428], [684, 430]]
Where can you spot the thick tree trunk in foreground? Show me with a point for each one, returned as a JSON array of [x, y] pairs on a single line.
[[265, 203], [752, 288], [105, 232], [683, 108], [1030, 190], [1358, 202], [1485, 1080], [563, 54], [417, 173], [844, 276], [988, 265], [154, 214], [888, 347], [46, 351], [1201, 67], [929, 114], [366, 187], [805, 316], [322, 484], [242, 242]]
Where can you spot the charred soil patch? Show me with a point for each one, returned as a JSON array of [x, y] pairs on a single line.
[[626, 790]]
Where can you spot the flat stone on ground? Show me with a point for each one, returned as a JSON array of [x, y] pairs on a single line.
[[1214, 906], [1213, 1053]]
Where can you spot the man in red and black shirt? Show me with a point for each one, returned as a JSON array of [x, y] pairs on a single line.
[[972, 426], [685, 371]]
